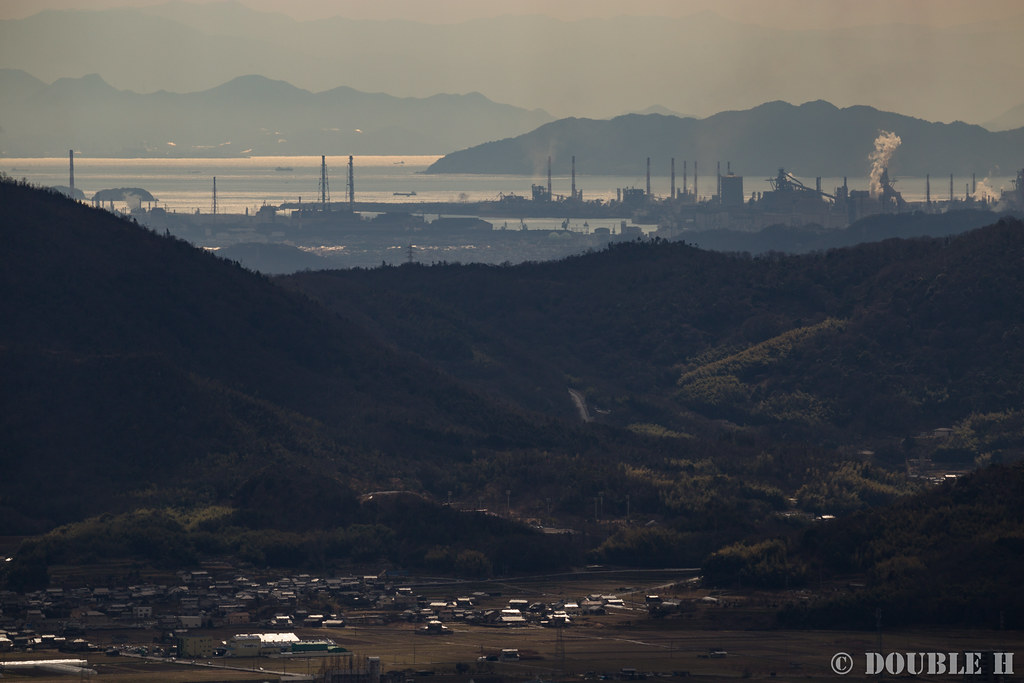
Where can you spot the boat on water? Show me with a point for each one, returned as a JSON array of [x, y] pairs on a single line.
[[404, 194], [283, 168]]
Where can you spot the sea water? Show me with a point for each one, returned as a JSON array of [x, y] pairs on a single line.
[[185, 185]]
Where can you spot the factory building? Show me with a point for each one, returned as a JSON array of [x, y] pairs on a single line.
[[732, 190]]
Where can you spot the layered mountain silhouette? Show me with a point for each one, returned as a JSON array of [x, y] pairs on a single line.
[[247, 116], [699, 64]]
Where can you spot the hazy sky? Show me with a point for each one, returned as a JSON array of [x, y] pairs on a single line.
[[941, 60], [779, 13]]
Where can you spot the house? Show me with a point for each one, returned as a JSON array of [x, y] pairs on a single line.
[[190, 621], [511, 617], [433, 627], [560, 618]]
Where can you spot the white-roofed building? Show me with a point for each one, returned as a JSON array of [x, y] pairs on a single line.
[[254, 644]]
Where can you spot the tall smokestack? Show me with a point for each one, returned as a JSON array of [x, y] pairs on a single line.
[[351, 183], [214, 195], [950, 187], [974, 185], [648, 176], [672, 186], [323, 182], [574, 176], [928, 188], [684, 176], [71, 167]]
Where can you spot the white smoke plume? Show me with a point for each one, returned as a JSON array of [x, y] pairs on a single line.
[[885, 144], [984, 192], [133, 200]]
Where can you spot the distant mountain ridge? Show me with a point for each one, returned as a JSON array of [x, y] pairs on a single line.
[[1014, 118], [812, 139], [698, 64], [249, 115]]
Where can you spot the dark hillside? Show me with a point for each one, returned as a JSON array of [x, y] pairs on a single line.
[[953, 555], [882, 339], [130, 358], [172, 406]]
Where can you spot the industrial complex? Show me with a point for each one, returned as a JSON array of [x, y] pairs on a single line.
[[373, 231]]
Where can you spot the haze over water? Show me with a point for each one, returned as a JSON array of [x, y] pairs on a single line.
[[185, 185]]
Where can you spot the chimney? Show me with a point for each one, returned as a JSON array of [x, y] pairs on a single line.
[[71, 166], [574, 177], [351, 183]]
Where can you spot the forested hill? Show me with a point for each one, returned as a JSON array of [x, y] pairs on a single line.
[[227, 414], [134, 362], [881, 340], [951, 555]]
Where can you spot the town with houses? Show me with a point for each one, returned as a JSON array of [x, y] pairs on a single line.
[[204, 615]]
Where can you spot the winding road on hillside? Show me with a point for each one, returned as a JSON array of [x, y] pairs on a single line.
[[581, 405]]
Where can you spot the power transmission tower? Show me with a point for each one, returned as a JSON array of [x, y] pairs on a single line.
[[325, 190]]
